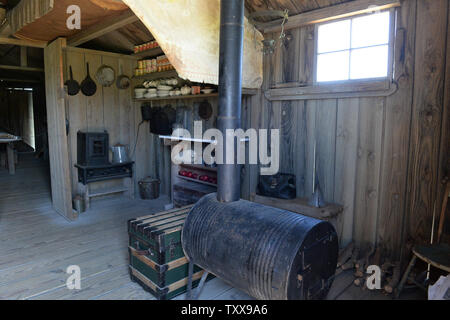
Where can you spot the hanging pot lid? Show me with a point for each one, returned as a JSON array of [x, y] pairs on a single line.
[[105, 75]]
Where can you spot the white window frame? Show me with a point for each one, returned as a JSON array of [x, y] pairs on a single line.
[[387, 79]]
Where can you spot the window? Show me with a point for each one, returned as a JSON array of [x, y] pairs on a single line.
[[353, 49]]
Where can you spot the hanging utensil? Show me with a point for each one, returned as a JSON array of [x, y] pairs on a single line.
[[123, 81], [317, 200], [205, 110], [88, 86], [105, 75], [73, 86]]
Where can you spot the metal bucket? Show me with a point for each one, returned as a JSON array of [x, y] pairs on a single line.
[[149, 188]]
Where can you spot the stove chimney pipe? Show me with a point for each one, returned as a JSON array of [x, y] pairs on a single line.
[[230, 91]]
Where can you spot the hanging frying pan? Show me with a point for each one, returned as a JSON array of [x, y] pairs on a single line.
[[88, 86], [72, 86], [205, 110], [123, 81]]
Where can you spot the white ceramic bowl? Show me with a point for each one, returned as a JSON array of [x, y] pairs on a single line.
[[140, 90], [164, 88]]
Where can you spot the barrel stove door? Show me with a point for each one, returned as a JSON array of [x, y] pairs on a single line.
[[314, 266]]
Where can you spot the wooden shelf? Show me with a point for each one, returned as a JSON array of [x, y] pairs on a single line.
[[301, 206], [198, 181], [245, 92], [195, 96], [175, 140], [199, 167], [157, 75], [106, 191], [149, 53]]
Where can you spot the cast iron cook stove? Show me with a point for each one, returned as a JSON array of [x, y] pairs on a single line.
[[93, 159]]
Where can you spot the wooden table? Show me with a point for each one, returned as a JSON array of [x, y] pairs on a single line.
[[9, 140]]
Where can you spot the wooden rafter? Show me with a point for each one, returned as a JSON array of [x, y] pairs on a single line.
[[104, 27], [18, 68], [24, 43]]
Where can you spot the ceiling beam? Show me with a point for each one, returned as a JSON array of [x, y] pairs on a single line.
[[19, 80], [104, 27], [8, 67], [339, 11], [24, 43]]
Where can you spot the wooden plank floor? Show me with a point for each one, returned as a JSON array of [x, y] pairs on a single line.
[[37, 245]]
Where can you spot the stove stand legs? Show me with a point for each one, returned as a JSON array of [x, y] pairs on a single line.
[[200, 285]]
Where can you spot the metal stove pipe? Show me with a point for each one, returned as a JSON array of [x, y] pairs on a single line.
[[230, 91], [267, 252]]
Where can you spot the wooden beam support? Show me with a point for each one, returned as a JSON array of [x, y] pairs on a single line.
[[24, 43], [57, 137], [343, 10], [18, 68], [23, 57], [104, 27], [380, 88], [19, 80]]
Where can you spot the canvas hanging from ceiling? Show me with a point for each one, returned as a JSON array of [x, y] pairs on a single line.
[[188, 33]]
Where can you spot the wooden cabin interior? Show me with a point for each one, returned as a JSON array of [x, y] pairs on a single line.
[[357, 91]]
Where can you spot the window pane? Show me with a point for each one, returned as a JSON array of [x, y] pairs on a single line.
[[333, 66], [334, 36], [370, 30], [369, 62]]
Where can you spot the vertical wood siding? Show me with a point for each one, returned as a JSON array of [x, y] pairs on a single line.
[[377, 156]]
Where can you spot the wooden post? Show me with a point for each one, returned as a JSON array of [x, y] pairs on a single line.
[[57, 138], [10, 157]]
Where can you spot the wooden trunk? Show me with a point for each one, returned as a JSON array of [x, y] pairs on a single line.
[[157, 260]]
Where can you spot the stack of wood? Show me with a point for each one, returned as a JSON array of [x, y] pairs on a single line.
[[353, 258]]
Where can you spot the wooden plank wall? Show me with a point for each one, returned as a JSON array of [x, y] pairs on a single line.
[[427, 119], [108, 109], [377, 156]]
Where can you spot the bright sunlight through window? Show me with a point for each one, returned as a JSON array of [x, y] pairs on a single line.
[[354, 49]]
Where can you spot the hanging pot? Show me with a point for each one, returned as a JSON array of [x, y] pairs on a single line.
[[171, 113], [73, 86], [88, 86], [105, 75]]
